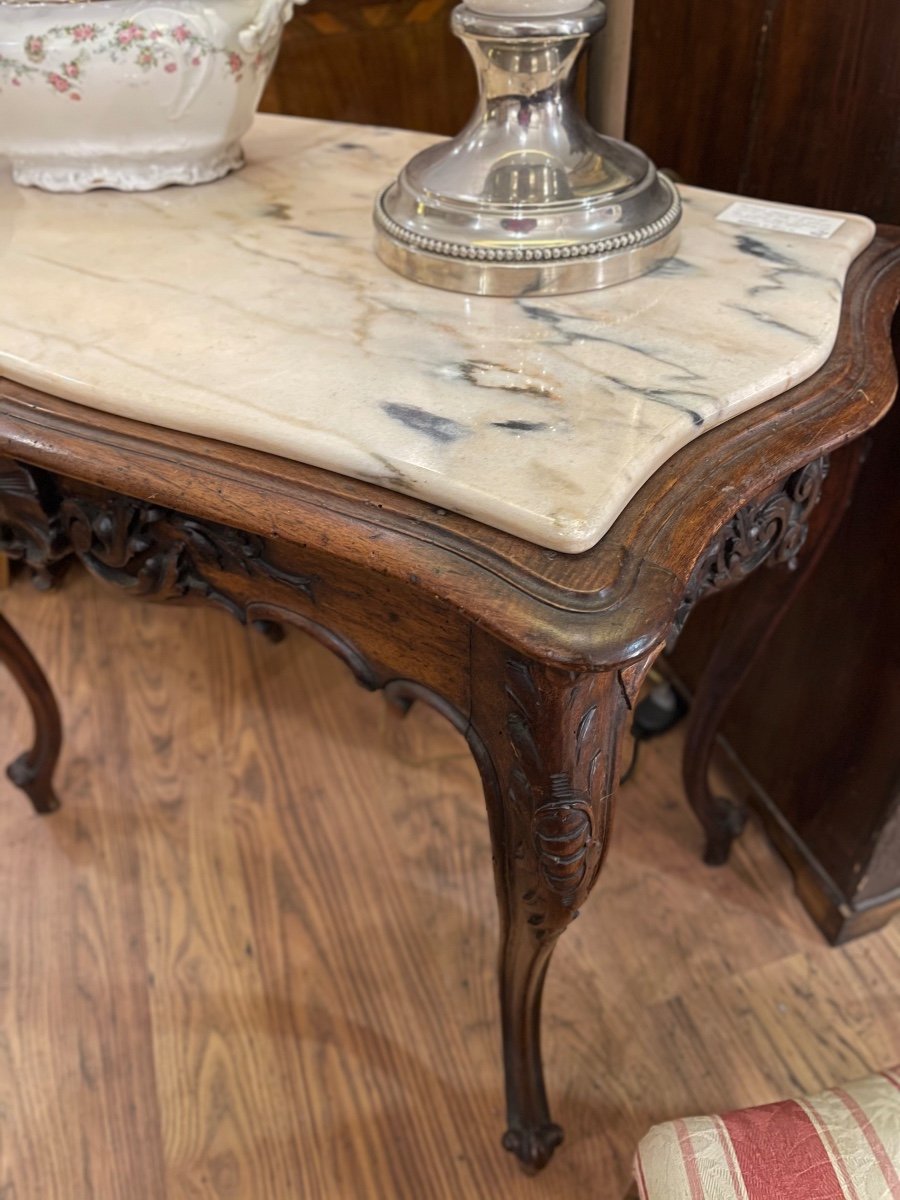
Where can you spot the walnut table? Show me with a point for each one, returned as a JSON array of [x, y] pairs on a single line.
[[505, 509]]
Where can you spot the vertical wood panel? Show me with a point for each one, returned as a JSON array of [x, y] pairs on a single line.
[[694, 74], [794, 100], [827, 123], [388, 62]]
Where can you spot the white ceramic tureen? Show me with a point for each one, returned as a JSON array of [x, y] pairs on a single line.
[[131, 94]]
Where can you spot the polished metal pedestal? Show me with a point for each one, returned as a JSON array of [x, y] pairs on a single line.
[[529, 199]]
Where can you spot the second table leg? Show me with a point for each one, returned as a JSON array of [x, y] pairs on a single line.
[[33, 770]]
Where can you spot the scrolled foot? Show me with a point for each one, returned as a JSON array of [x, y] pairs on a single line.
[[728, 824], [533, 1147], [34, 782], [33, 770]]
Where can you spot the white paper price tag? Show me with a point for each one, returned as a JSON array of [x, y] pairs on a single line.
[[782, 220]]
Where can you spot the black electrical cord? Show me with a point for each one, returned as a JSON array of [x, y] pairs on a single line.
[[660, 710]]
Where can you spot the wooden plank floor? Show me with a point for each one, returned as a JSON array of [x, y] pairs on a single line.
[[252, 958]]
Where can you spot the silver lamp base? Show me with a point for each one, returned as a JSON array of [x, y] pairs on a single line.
[[529, 199]]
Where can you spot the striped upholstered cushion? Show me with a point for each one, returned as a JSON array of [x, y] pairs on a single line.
[[841, 1145]]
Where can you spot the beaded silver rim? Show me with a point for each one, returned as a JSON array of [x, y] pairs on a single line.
[[515, 255]]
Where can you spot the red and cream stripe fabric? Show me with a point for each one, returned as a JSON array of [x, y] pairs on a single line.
[[841, 1145]]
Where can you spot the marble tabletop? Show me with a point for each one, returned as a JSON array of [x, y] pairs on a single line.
[[254, 311]]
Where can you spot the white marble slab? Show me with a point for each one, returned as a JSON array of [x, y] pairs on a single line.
[[253, 310]]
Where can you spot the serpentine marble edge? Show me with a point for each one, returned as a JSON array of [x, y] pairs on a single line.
[[253, 310]]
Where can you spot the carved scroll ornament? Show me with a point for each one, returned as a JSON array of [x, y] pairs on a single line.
[[772, 531], [30, 531], [165, 555], [558, 826]]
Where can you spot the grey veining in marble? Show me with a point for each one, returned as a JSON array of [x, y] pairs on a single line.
[[253, 310]]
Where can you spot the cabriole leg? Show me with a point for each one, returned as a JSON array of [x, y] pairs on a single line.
[[33, 770], [547, 742]]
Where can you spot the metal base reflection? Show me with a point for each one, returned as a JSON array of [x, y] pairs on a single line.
[[529, 199]]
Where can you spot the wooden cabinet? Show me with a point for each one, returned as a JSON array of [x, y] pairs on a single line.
[[800, 101], [380, 62], [796, 101]]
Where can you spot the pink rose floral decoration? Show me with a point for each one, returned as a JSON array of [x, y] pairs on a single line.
[[64, 54]]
